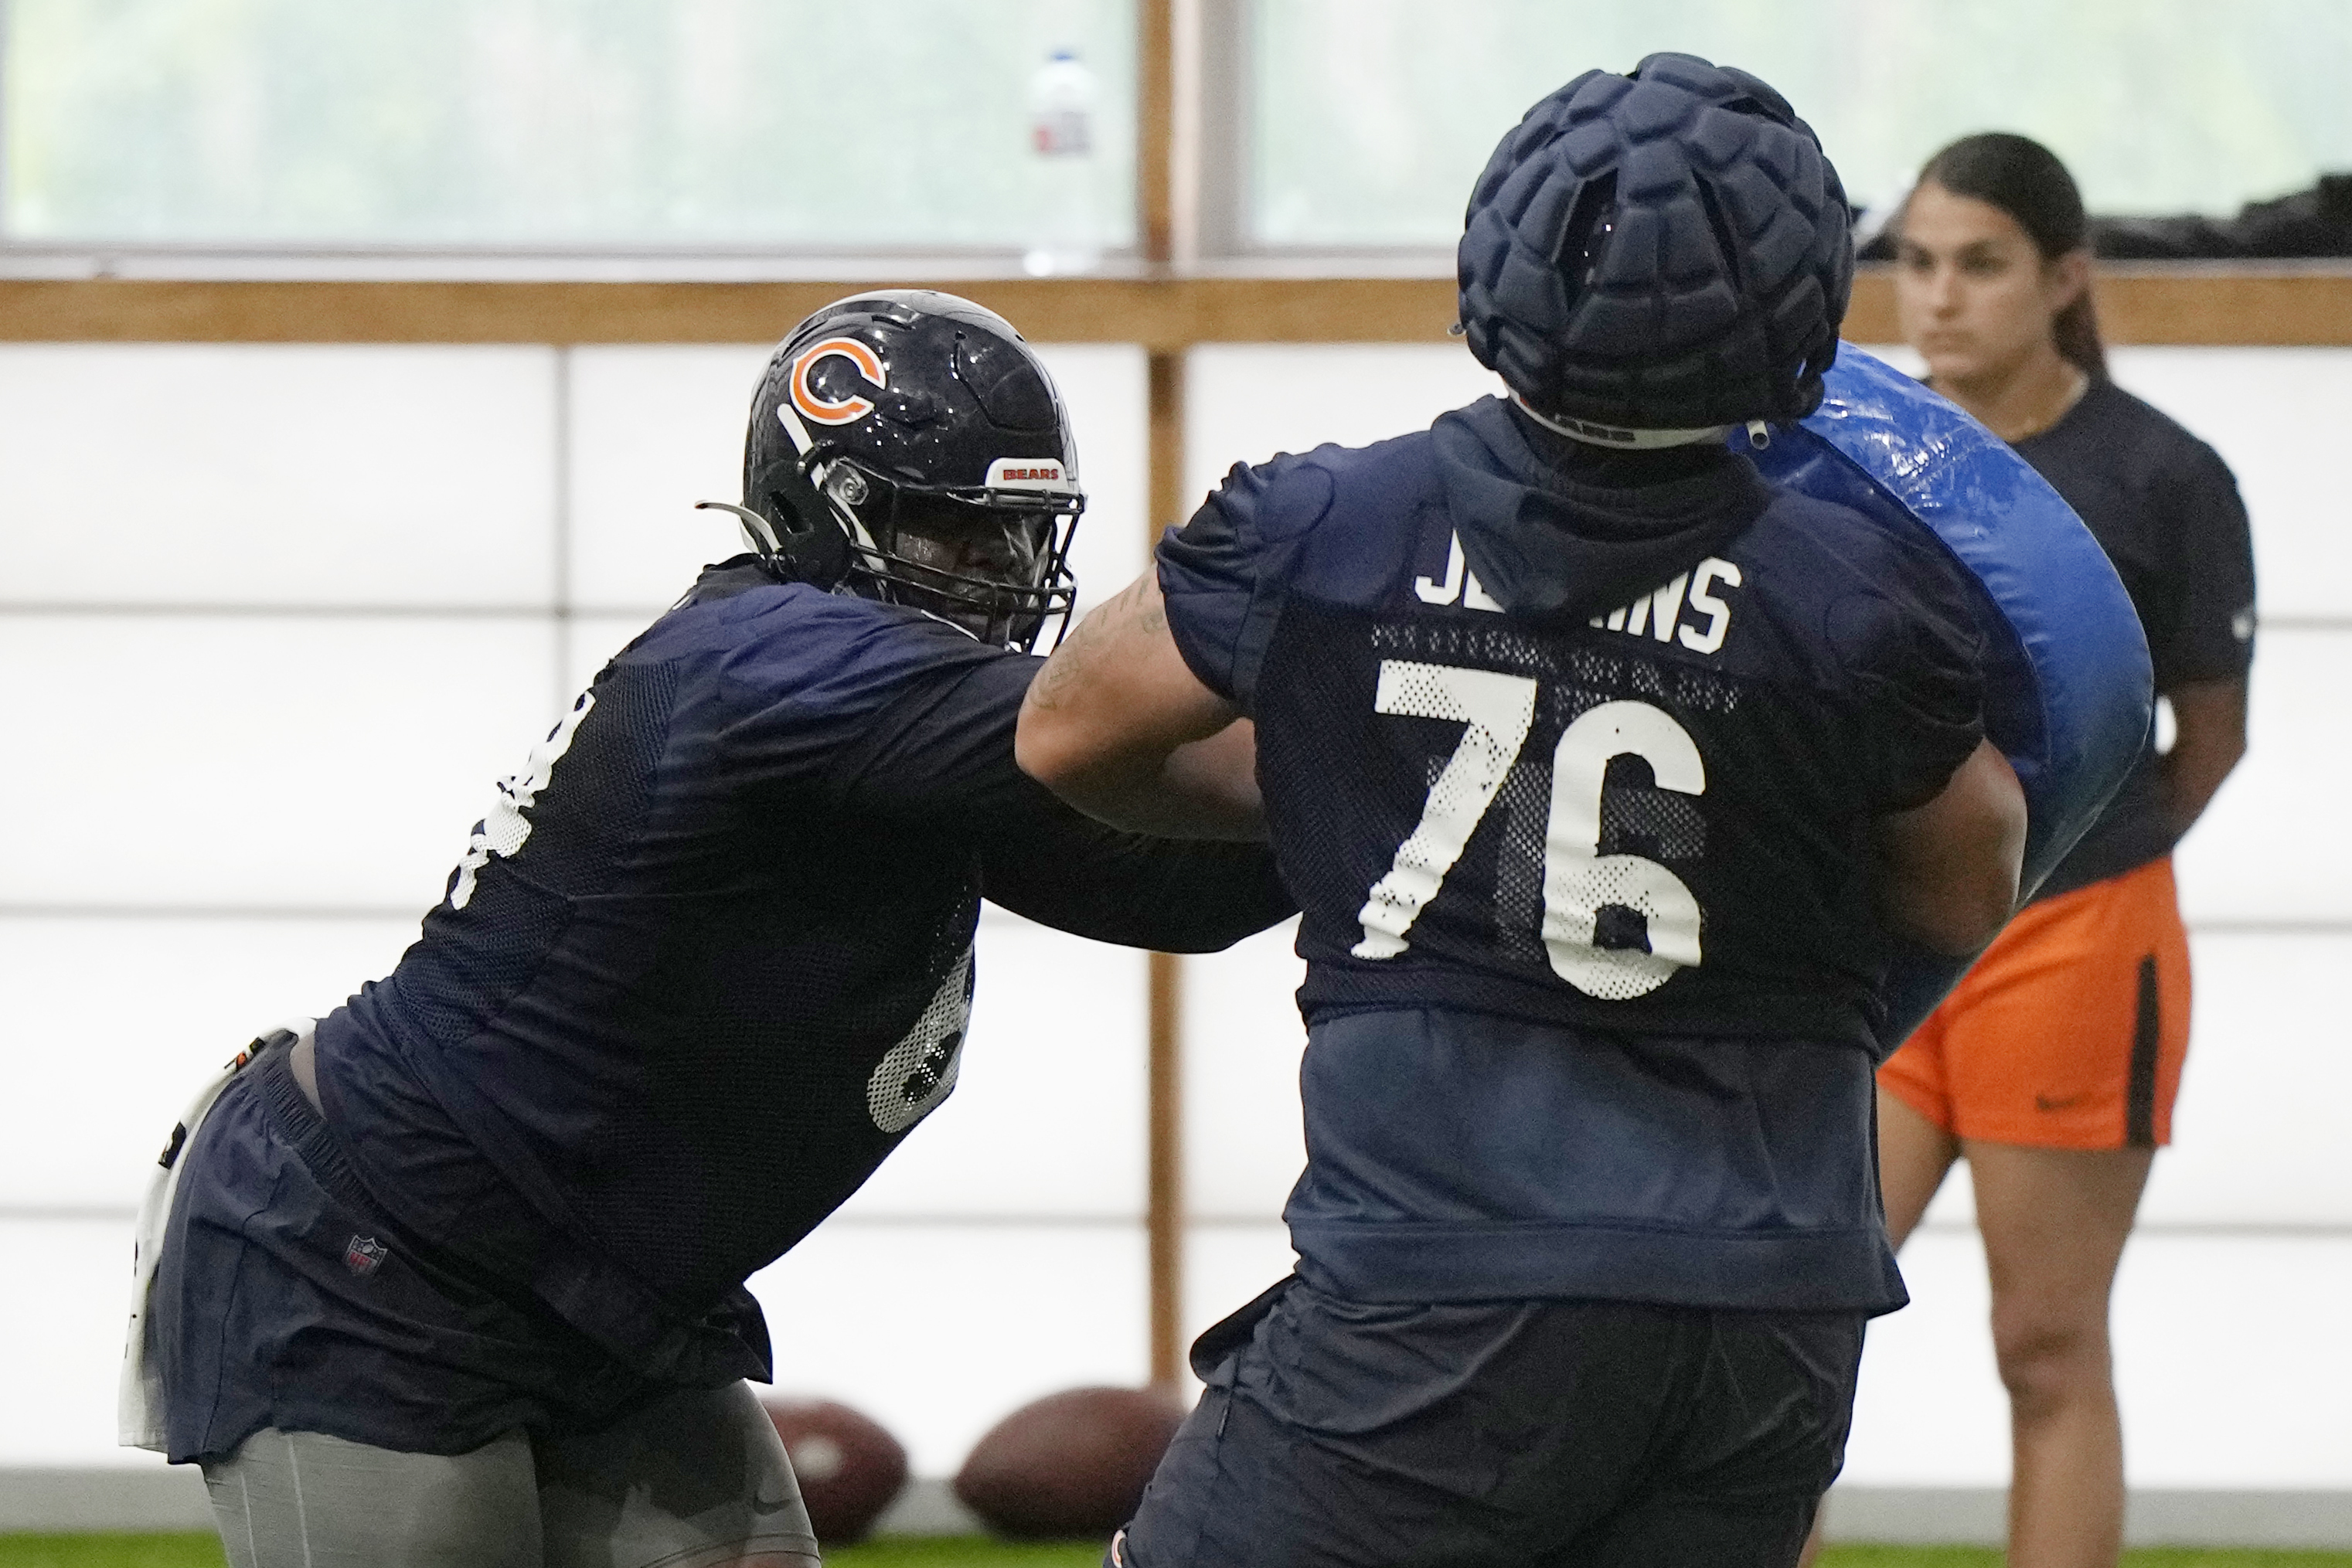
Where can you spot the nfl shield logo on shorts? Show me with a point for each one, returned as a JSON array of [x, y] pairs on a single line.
[[362, 1253]]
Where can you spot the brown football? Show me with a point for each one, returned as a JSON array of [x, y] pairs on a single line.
[[1071, 1463], [849, 1468]]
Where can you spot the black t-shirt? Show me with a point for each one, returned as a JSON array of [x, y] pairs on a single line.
[[2164, 507]]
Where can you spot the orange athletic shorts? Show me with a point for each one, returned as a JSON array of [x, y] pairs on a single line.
[[2070, 1030]]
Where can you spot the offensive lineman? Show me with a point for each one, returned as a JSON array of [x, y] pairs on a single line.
[[1605, 773], [459, 1278]]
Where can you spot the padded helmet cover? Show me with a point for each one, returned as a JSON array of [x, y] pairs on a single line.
[[1664, 250]]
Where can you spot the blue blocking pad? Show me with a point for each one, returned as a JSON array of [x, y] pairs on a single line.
[[2068, 688]]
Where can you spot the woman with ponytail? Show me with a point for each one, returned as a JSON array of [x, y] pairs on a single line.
[[2052, 1069]]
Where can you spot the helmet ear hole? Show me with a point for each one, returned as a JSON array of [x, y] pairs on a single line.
[[809, 544], [1585, 236], [1727, 243]]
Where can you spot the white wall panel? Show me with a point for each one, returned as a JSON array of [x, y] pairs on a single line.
[[1930, 1410], [590, 641], [2258, 1136], [2270, 413], [2219, 1341], [939, 1332], [61, 1317], [1226, 1267], [935, 1331], [112, 1024], [2277, 417], [2230, 1360], [295, 761], [1902, 356], [143, 790], [2257, 1132], [275, 474], [1243, 1144], [1106, 387], [2266, 850], [656, 428], [1047, 1115], [2274, 414], [1245, 401]]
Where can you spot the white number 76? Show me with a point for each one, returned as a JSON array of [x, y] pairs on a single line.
[[1496, 712]]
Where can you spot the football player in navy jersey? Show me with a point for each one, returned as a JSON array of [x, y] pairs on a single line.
[[1608, 776], [457, 1278]]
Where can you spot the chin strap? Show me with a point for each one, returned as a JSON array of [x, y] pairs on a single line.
[[1760, 435]]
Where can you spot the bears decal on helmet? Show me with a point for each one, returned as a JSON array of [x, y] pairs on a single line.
[[829, 405]]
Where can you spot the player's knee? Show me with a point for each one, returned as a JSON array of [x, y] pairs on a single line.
[[2050, 1358]]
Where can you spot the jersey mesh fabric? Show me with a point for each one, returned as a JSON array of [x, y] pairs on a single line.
[[511, 919], [1590, 952], [640, 1014], [725, 970], [1769, 848], [1839, 684]]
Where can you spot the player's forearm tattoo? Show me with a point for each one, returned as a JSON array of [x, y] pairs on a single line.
[[1045, 691], [1133, 613]]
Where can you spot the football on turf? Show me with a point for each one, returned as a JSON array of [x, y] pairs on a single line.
[[1071, 1463], [849, 1468]]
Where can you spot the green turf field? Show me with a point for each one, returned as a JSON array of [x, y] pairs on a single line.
[[202, 1551]]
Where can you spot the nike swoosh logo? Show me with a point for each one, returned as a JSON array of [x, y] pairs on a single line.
[[2043, 1103]]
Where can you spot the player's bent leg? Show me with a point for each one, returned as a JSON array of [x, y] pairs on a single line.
[[698, 1479], [326, 1502], [2054, 1224]]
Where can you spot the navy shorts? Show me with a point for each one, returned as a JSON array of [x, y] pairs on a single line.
[[286, 1297], [1593, 1434]]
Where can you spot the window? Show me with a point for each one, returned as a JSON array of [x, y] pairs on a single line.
[[705, 125], [1372, 118]]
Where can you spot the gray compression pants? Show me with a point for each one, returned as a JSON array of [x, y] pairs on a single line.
[[698, 1481]]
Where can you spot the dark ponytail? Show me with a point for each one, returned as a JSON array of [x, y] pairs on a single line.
[[2025, 180]]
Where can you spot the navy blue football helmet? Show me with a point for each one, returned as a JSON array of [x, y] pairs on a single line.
[[1652, 255], [906, 445]]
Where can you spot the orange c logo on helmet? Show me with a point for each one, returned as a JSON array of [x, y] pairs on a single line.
[[823, 410]]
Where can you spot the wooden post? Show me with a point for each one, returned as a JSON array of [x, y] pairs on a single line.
[[1164, 1222], [1155, 130], [1165, 1216], [1155, 123]]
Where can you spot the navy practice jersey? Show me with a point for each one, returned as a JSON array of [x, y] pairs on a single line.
[[1644, 807], [2164, 507], [1542, 747], [711, 957]]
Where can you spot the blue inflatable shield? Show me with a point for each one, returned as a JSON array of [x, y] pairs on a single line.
[[2068, 690]]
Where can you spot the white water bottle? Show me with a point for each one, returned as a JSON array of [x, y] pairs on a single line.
[[1067, 236]]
